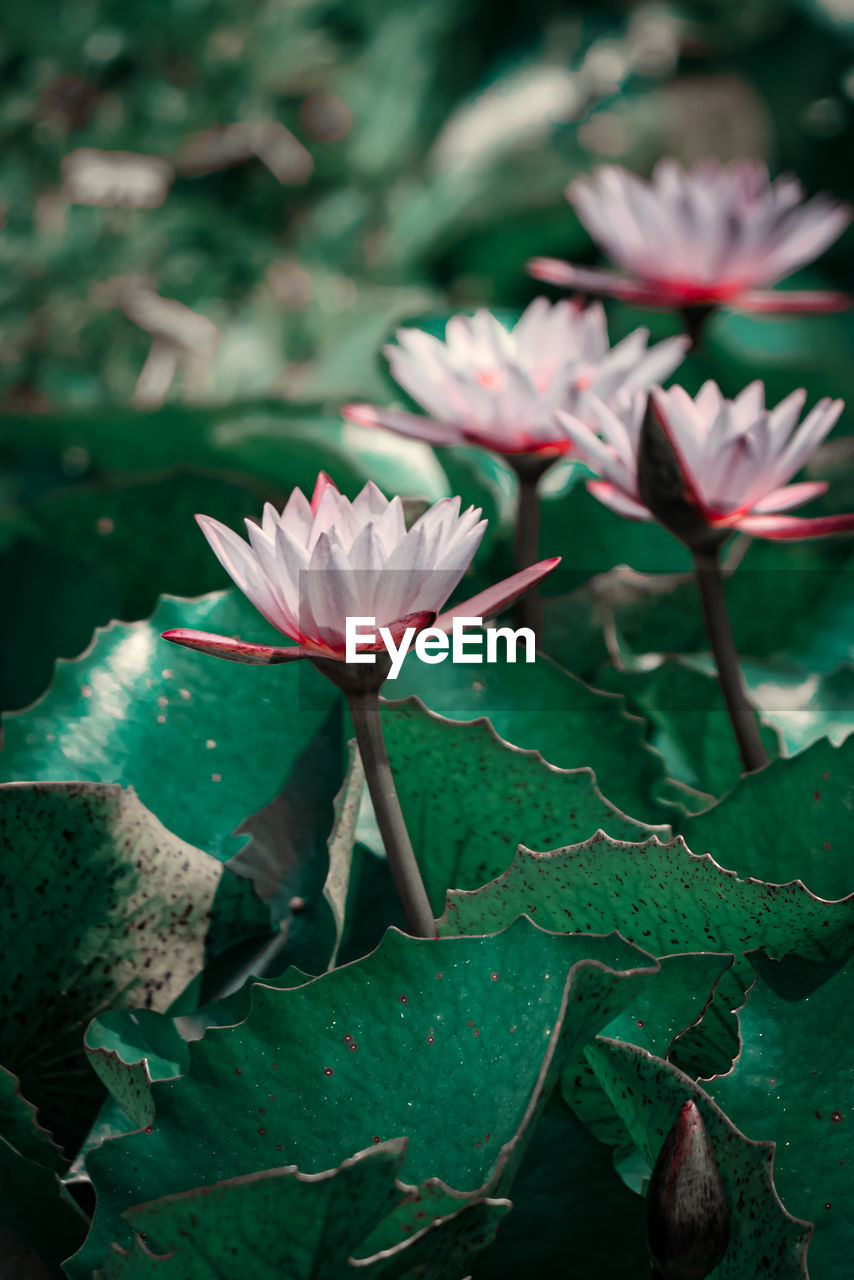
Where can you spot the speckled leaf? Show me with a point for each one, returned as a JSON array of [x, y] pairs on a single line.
[[665, 899], [131, 902], [20, 1127], [40, 1226], [660, 1013], [292, 1226], [661, 896], [130, 1048], [647, 1093], [203, 742], [376, 1050], [442, 1249], [688, 721], [792, 819], [793, 1083], [470, 798], [540, 706]]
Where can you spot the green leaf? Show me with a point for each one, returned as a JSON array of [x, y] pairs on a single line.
[[661, 897], [647, 1094], [470, 799], [570, 1208], [131, 904], [128, 1050], [801, 1097], [285, 444], [790, 820], [293, 1226], [19, 1126], [504, 1010], [338, 889], [665, 899], [539, 706], [688, 720], [40, 1226], [104, 551], [202, 741]]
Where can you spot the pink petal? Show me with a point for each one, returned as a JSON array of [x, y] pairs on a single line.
[[788, 496], [659, 404], [487, 603], [612, 497], [258, 655], [793, 301], [322, 483], [591, 280], [405, 424], [790, 527]]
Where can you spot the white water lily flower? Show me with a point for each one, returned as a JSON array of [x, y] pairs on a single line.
[[716, 233], [736, 457], [310, 567], [500, 388]]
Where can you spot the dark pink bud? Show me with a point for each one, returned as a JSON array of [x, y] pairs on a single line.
[[687, 1215], [665, 487]]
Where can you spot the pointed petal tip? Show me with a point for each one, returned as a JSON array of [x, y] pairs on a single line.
[[365, 415], [232, 649], [323, 482]]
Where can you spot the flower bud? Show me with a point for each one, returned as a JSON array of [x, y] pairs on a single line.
[[687, 1214], [666, 490]]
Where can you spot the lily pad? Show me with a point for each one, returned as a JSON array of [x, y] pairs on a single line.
[[470, 799], [203, 742], [789, 820], [40, 1226], [131, 904], [540, 706], [505, 1010], [688, 720], [791, 1083], [19, 1126]]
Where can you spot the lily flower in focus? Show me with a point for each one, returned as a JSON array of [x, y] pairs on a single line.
[[310, 567], [316, 564]]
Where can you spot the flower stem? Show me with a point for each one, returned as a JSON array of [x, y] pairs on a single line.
[[529, 468], [711, 584], [694, 320], [365, 710]]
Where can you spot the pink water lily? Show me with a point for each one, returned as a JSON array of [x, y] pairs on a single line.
[[499, 387], [310, 567], [713, 234], [736, 457]]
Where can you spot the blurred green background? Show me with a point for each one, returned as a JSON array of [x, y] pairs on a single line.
[[179, 323]]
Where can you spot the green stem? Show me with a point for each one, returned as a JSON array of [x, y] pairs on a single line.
[[711, 584], [529, 608], [694, 321], [365, 710], [529, 468]]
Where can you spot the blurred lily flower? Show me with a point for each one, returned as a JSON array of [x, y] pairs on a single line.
[[714, 234], [735, 458], [310, 567], [491, 386]]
